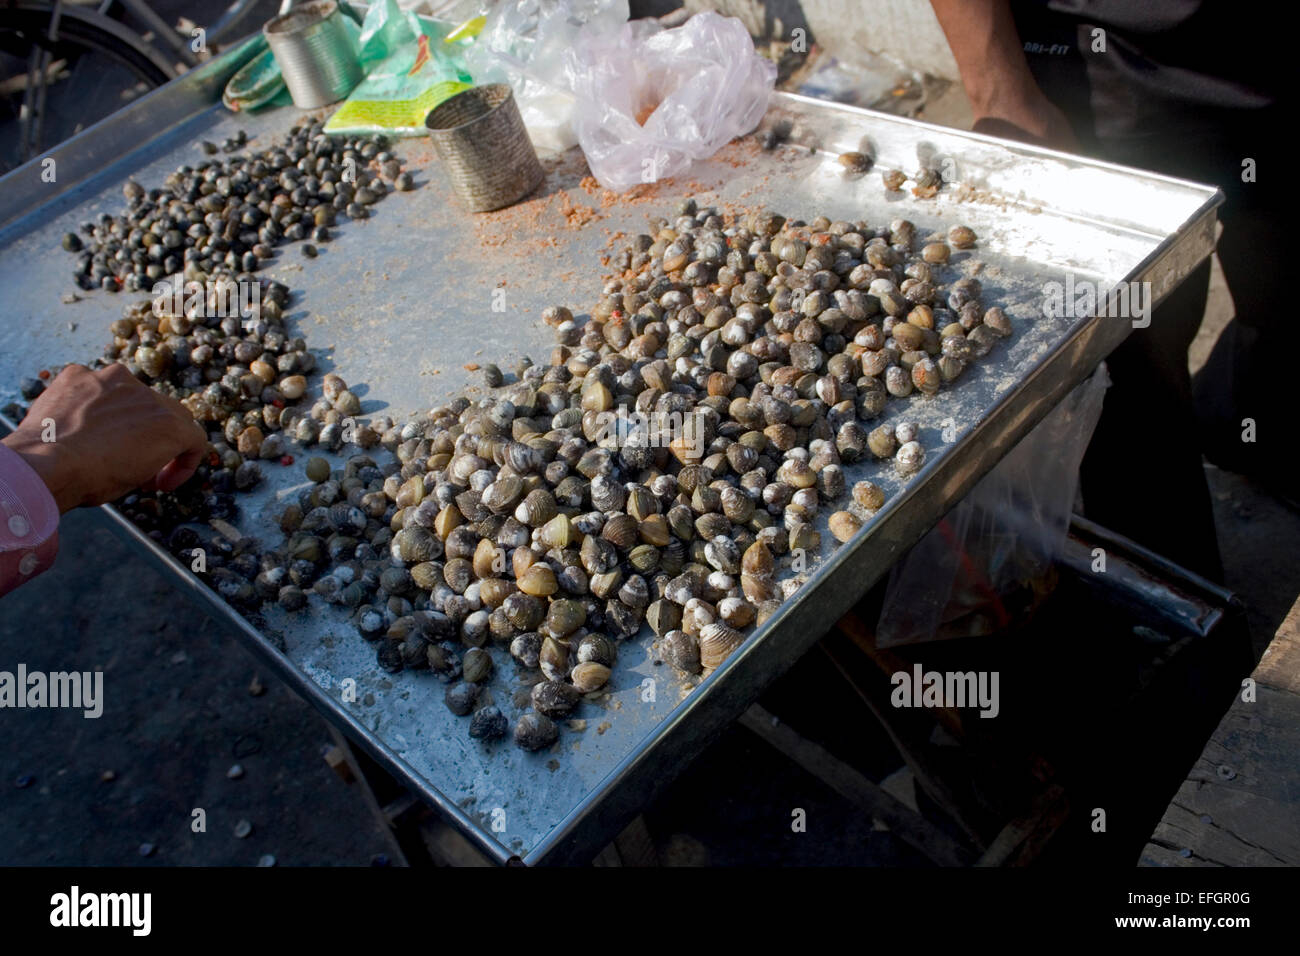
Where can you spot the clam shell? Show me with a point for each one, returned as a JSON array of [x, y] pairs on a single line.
[[682, 651], [737, 612], [535, 731], [663, 616], [461, 697], [526, 649], [537, 508], [717, 640], [553, 698], [844, 525], [621, 531], [502, 494], [538, 580], [558, 532], [597, 648], [554, 658], [589, 676], [476, 665]]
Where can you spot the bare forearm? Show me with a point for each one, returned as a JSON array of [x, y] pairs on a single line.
[[991, 59], [988, 52]]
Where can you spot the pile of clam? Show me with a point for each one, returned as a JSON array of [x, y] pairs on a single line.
[[228, 215], [556, 517], [239, 374], [528, 522]]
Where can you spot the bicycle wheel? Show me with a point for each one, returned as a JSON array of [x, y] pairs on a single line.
[[103, 66]]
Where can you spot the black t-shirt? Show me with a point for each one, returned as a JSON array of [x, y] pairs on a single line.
[[1187, 86]]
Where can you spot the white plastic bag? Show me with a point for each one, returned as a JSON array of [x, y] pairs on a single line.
[[651, 101], [990, 554], [524, 43]]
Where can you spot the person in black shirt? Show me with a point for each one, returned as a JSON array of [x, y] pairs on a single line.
[[1189, 88]]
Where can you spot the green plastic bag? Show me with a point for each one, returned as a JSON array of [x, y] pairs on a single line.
[[412, 64]]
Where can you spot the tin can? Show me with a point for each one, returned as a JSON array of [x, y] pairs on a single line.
[[317, 55], [484, 147]]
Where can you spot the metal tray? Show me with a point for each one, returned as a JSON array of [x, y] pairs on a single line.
[[402, 301]]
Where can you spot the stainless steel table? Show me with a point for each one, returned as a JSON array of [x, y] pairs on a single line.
[[401, 302]]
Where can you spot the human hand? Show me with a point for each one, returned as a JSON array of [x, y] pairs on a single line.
[[112, 434], [999, 84], [1039, 123]]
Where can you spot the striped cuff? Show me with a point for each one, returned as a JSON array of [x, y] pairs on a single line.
[[29, 522]]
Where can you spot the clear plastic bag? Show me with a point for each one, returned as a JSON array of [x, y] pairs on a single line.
[[651, 101], [524, 43], [992, 554]]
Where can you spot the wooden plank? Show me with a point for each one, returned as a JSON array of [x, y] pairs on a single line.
[[1279, 668], [446, 846], [853, 786], [397, 853], [338, 762], [1238, 806], [1023, 839], [635, 845]]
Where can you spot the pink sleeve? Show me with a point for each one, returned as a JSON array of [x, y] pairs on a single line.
[[29, 522]]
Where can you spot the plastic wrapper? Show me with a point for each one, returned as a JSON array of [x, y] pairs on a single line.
[[524, 43], [990, 559], [652, 101], [410, 68]]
